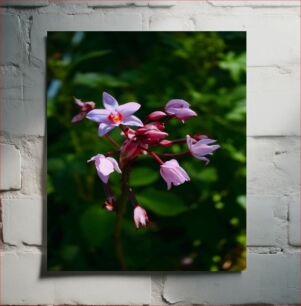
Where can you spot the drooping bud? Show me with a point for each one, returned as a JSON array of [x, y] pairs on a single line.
[[166, 143], [157, 115], [140, 217]]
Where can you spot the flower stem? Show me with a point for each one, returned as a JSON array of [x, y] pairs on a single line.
[[182, 154], [156, 157], [120, 215], [110, 153], [112, 141]]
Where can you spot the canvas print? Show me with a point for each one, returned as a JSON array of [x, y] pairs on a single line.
[[146, 151]]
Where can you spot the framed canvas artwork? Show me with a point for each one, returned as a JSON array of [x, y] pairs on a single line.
[[146, 151]]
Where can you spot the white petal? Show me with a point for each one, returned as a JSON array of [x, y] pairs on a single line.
[[128, 109], [132, 120], [109, 102], [105, 128], [115, 164]]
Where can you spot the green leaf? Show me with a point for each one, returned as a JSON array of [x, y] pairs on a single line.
[[143, 176], [164, 203], [208, 175], [96, 225], [96, 80]]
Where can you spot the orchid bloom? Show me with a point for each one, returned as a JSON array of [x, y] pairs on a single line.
[[105, 166], [179, 109], [140, 216], [85, 107], [199, 149], [114, 114], [173, 173], [144, 140]]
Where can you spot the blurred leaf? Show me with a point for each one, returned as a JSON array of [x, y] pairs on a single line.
[[98, 80], [236, 65], [92, 56], [68, 252], [202, 173], [161, 202], [97, 224], [143, 176], [242, 200]]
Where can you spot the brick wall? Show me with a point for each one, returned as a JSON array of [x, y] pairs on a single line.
[[273, 274]]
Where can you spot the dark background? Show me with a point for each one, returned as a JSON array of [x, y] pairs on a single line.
[[200, 225]]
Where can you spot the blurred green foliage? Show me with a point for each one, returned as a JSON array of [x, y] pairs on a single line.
[[200, 225]]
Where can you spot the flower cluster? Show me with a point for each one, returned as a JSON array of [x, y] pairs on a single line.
[[147, 136]]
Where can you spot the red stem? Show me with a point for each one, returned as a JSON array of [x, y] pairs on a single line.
[[112, 141], [174, 154], [156, 157], [110, 153]]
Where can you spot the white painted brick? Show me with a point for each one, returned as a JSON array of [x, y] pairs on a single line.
[[161, 3], [11, 85], [294, 220], [23, 104], [33, 166], [23, 3], [273, 165], [273, 101], [109, 3], [22, 221], [139, 3], [12, 45], [274, 40], [250, 3], [86, 22], [268, 279], [272, 37], [260, 219], [122, 22], [170, 23], [10, 167], [23, 284]]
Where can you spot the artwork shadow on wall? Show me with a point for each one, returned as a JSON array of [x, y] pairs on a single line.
[[146, 151]]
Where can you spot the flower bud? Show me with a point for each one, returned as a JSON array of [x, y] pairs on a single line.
[[156, 115], [140, 217]]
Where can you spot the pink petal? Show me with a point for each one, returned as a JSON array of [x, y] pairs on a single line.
[[78, 102], [206, 141], [132, 120], [104, 128], [189, 141], [171, 164], [98, 115], [184, 173], [104, 166], [184, 113], [128, 109], [104, 178], [115, 164], [78, 117], [202, 150], [109, 102], [177, 103], [93, 158], [166, 177]]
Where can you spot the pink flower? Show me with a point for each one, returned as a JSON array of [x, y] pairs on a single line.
[[199, 149], [85, 107], [105, 166], [140, 217], [173, 173], [114, 114], [180, 109]]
